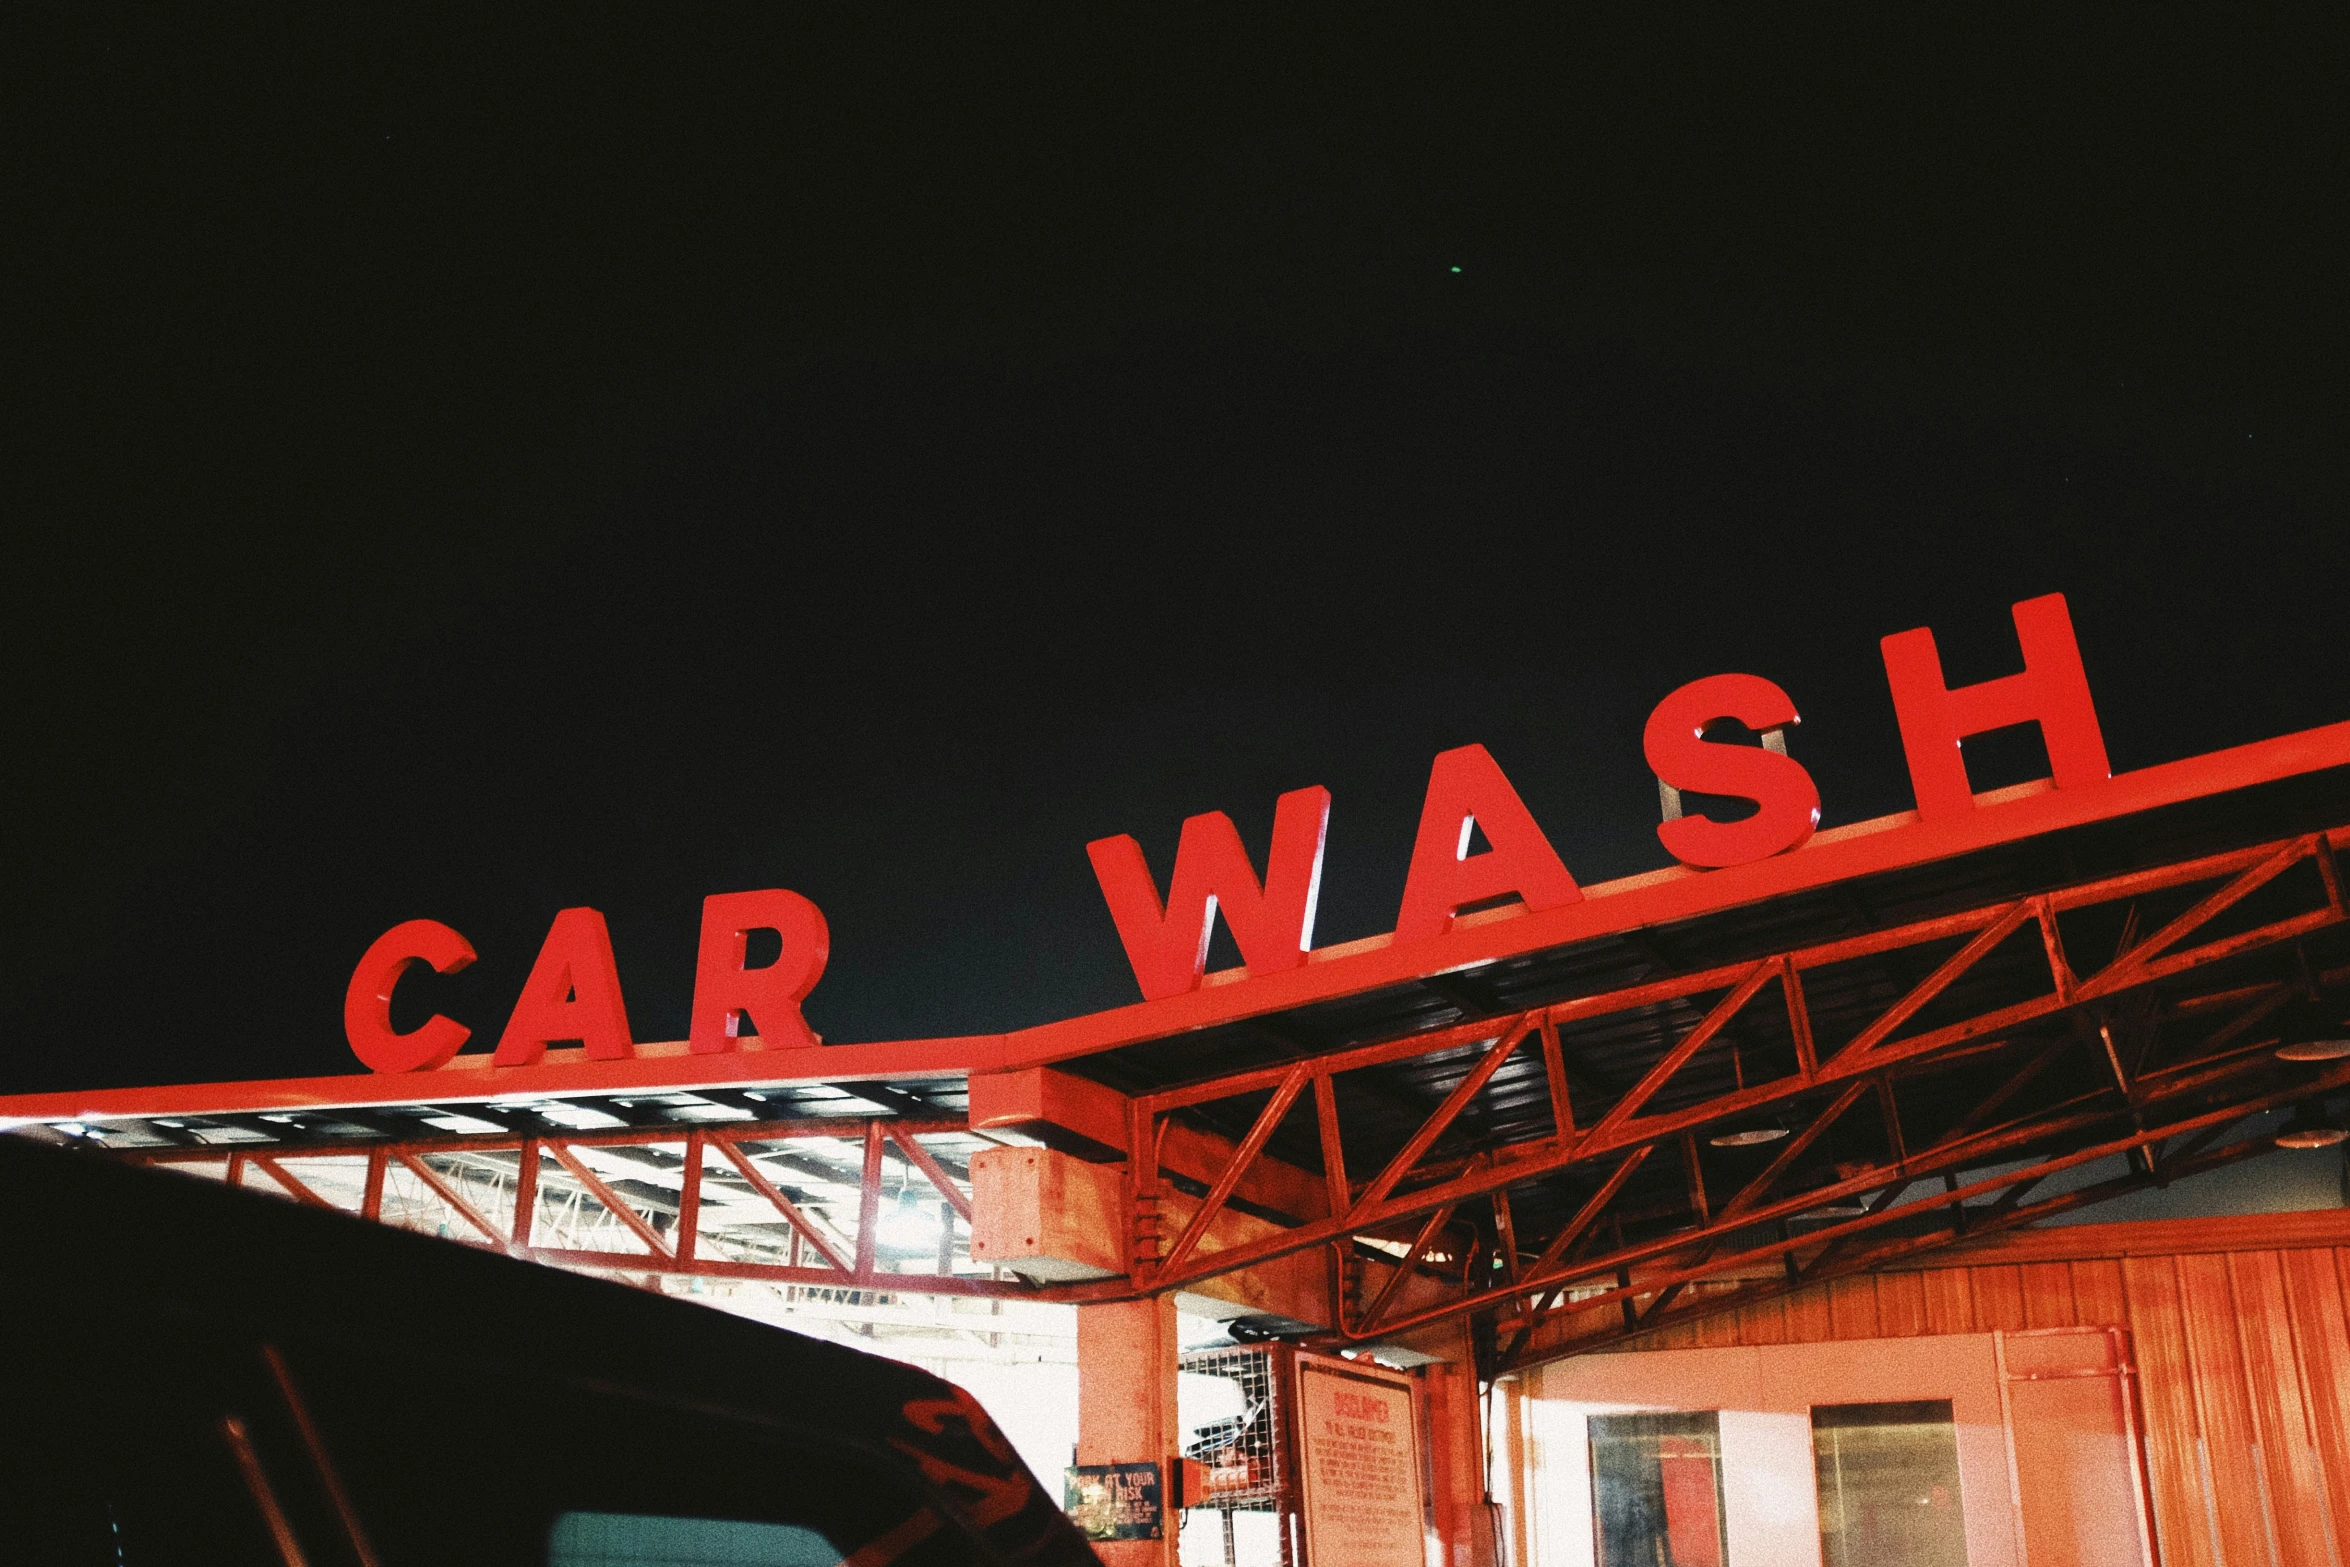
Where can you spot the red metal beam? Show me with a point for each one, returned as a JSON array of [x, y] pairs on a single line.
[[613, 1202], [1653, 898], [1242, 1157], [1405, 1266], [637, 1266], [689, 1255], [689, 1201], [1409, 1189], [1628, 1257], [1850, 1262], [869, 1201], [449, 1194], [615, 1137], [1874, 1050], [526, 1192], [801, 1224], [1454, 1103], [293, 1184], [1574, 1230], [930, 1168]]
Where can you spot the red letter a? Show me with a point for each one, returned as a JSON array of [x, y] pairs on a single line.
[[573, 993], [1466, 790], [724, 990], [2052, 692], [1273, 925]]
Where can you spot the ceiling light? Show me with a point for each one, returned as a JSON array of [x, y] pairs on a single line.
[[1834, 1210], [914, 1226], [465, 1125], [2316, 1050], [577, 1117], [1748, 1138], [2313, 1126]]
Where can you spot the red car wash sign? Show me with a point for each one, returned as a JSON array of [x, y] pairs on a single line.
[[573, 993]]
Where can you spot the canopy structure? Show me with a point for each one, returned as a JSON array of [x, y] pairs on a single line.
[[1686, 1092]]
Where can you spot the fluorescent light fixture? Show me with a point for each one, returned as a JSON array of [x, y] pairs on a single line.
[[579, 1118], [463, 1125], [708, 1112], [911, 1226]]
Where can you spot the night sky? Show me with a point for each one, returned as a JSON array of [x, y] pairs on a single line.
[[469, 474]]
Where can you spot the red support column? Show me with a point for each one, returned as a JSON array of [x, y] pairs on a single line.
[[869, 1205], [1465, 1533], [689, 1202], [1456, 1467], [371, 1198], [526, 1194], [1126, 1408]]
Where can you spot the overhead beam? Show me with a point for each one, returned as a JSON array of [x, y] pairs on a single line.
[[1077, 1116], [1059, 1219]]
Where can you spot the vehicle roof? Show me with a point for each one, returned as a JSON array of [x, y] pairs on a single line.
[[91, 1235]]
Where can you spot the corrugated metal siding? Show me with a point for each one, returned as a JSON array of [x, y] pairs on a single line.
[[2242, 1352]]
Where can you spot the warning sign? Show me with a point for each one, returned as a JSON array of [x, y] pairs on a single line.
[[1361, 1468], [1115, 1501]]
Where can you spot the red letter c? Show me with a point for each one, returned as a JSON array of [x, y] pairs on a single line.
[[367, 1005]]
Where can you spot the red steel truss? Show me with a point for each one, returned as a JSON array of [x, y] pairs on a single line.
[[2164, 1018], [1585, 1163], [1834, 856], [543, 1198]]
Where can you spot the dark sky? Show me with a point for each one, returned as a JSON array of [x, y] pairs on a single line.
[[468, 474]]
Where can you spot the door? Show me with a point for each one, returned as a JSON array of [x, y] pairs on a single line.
[[1975, 1450]]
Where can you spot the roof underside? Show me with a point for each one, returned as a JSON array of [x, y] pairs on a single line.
[[1605, 1056]]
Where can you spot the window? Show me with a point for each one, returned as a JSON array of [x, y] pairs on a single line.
[[1656, 1489], [161, 1447], [652, 1540], [1888, 1478], [577, 1476]]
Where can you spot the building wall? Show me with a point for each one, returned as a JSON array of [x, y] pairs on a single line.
[[2239, 1337]]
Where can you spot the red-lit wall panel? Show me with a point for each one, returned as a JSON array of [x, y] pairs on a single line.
[[2237, 1330]]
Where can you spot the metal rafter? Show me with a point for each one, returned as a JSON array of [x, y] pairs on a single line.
[[547, 1172], [1492, 1119], [2136, 1106]]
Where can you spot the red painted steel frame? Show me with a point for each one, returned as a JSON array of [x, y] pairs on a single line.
[[2162, 1116], [1408, 1188], [685, 1247], [1657, 897]]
